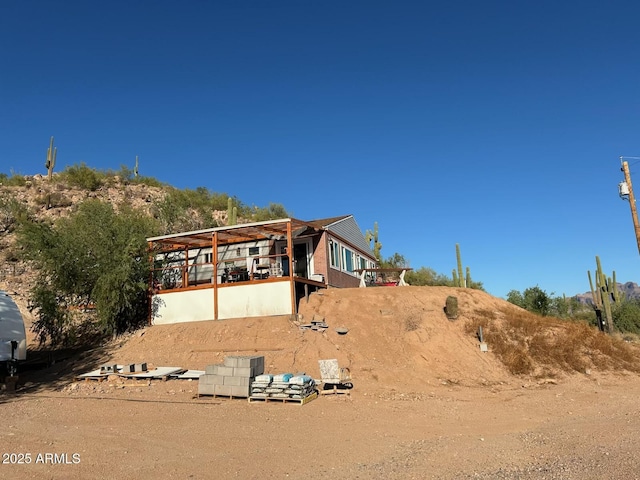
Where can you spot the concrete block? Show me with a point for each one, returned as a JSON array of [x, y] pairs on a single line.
[[109, 368], [212, 379], [252, 361], [211, 369], [231, 361], [232, 381], [240, 391], [243, 372], [206, 389], [244, 361], [222, 390], [238, 381], [220, 370], [134, 367]]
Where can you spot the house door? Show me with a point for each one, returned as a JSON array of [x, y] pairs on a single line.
[[301, 260], [281, 249]]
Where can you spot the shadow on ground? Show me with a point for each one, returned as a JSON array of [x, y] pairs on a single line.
[[52, 370]]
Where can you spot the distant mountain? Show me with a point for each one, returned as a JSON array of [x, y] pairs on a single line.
[[631, 289]]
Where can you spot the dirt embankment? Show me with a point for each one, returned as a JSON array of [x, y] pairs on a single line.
[[398, 338]]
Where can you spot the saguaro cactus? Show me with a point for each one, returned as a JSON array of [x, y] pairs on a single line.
[[232, 212], [135, 168], [377, 246], [460, 274], [52, 152], [604, 292]]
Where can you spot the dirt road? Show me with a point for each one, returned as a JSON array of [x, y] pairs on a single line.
[[581, 428]]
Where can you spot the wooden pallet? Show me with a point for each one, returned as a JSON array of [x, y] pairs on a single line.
[[300, 401], [228, 397]]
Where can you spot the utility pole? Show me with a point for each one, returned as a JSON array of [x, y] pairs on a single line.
[[632, 200]]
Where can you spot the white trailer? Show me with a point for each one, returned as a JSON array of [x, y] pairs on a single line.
[[13, 336]]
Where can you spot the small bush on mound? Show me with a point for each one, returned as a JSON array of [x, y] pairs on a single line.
[[451, 307], [528, 344]]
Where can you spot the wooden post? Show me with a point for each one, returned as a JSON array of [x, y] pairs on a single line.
[[290, 260], [632, 203], [152, 283], [214, 259]]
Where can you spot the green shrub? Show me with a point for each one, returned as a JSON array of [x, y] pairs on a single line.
[[12, 213], [626, 316], [14, 180], [95, 256], [82, 177], [273, 212], [53, 200], [148, 181]]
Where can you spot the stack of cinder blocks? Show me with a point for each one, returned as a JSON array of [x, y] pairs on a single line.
[[233, 378]]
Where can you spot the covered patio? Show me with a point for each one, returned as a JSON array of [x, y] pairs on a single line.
[[247, 270]]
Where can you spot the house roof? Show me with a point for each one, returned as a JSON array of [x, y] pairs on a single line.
[[234, 233], [327, 222], [342, 226]]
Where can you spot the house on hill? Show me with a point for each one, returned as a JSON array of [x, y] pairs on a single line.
[[252, 269]]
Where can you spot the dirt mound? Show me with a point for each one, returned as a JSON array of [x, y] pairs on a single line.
[[398, 338]]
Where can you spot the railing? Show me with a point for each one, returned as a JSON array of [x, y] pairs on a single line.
[[232, 270]]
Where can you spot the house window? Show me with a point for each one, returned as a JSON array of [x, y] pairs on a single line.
[[347, 258], [254, 251], [334, 253], [207, 258]]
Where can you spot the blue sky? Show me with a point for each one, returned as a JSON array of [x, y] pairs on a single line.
[[495, 125]]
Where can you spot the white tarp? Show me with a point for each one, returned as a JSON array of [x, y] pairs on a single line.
[[11, 328]]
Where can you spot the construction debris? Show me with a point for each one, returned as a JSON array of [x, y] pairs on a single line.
[[318, 324], [162, 373]]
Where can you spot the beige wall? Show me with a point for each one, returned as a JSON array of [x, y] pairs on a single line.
[[254, 300]]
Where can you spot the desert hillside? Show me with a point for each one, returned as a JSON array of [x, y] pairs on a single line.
[[398, 339]]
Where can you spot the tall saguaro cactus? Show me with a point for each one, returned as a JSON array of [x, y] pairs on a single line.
[[51, 159], [603, 294], [377, 246], [461, 282], [135, 168], [232, 212]]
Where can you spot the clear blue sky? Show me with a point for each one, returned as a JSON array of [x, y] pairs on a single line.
[[495, 125]]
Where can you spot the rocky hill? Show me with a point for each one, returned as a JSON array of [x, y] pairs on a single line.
[[631, 290], [48, 200]]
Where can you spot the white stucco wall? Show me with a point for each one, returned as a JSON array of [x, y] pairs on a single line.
[[255, 300], [186, 306]]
